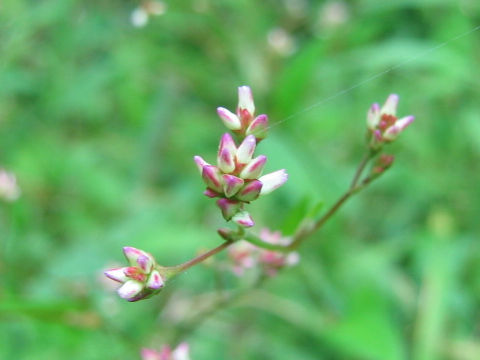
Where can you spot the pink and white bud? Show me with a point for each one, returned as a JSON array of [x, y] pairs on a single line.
[[229, 207], [254, 168], [155, 281], [250, 191], [244, 219], [213, 178], [117, 274], [258, 127], [373, 116], [273, 181], [200, 163], [231, 185], [392, 132], [245, 100], [139, 258], [230, 120], [246, 149], [130, 290], [227, 151], [390, 106], [210, 193]]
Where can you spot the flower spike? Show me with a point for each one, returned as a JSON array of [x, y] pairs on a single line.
[[236, 178]]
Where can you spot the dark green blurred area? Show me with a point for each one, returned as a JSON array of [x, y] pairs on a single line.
[[100, 120]]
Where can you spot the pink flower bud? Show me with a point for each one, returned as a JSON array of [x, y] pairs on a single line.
[[229, 207], [155, 281], [392, 132], [246, 149], [258, 127], [273, 181], [130, 290], [245, 100], [230, 120], [373, 116], [200, 163], [231, 185], [250, 191], [213, 178], [244, 219], [210, 193], [390, 106], [254, 168], [117, 274], [227, 151], [138, 258]]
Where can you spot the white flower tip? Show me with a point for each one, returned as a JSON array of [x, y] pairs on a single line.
[[230, 120], [273, 181], [246, 149], [390, 106], [245, 99], [404, 122], [200, 163], [130, 289], [116, 274]]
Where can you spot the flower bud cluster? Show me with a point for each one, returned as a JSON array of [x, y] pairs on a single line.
[[244, 122], [141, 279], [383, 124], [245, 255], [237, 178], [181, 352]]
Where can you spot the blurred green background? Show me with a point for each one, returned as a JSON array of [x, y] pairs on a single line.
[[100, 118]]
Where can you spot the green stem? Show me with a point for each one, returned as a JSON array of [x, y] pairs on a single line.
[[366, 158], [175, 270], [308, 228]]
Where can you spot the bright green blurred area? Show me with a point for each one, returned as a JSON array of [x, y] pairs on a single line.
[[100, 119]]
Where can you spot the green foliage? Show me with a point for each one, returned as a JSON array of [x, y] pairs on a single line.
[[99, 120]]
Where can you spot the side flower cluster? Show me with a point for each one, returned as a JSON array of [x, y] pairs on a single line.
[[383, 124], [245, 255], [237, 178], [139, 280]]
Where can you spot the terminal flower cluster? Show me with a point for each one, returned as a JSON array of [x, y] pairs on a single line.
[[237, 178], [141, 279], [383, 124]]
